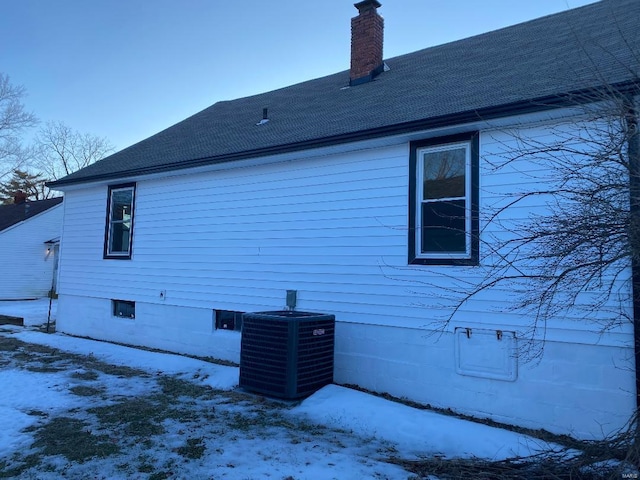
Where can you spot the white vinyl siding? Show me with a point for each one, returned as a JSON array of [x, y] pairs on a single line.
[[27, 266], [335, 228]]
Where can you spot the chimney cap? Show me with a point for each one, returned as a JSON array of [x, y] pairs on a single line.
[[366, 5]]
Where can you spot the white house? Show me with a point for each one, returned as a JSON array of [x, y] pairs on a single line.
[[331, 188], [29, 243]]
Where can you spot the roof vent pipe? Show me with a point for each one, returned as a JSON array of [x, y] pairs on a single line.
[[265, 116], [366, 43]]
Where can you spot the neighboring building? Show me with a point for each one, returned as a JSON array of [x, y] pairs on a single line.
[[327, 188], [29, 243]]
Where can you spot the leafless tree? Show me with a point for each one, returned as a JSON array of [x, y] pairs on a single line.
[[14, 121], [571, 256], [60, 150]]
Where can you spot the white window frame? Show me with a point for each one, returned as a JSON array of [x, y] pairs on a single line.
[[108, 252], [420, 196]]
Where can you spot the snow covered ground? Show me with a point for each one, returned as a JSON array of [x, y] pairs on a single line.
[[354, 434], [34, 312]]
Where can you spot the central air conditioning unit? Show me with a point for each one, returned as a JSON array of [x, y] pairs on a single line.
[[286, 354]]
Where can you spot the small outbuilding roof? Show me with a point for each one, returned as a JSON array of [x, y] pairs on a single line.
[[15, 213]]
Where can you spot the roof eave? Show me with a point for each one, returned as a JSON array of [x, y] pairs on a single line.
[[574, 98]]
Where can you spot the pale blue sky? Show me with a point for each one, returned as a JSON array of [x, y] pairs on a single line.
[[126, 69]]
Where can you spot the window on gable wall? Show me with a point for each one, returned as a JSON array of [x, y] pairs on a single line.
[[443, 201], [119, 227]]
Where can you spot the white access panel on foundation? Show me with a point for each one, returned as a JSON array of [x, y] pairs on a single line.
[[486, 353]]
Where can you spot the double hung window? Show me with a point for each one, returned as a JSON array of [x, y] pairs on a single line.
[[119, 227], [444, 201]]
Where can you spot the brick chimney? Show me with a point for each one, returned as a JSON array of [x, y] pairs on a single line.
[[366, 43], [19, 197]]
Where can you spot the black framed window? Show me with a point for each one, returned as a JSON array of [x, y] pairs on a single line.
[[119, 224], [228, 320], [443, 201], [124, 308]]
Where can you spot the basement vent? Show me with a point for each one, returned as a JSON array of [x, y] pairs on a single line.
[[124, 308], [228, 320]]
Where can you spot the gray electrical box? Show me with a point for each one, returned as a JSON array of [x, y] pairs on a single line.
[[292, 299]]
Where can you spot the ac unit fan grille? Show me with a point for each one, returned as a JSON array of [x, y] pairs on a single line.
[[287, 356]]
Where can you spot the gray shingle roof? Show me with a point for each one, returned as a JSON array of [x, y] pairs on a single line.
[[15, 213], [522, 66]]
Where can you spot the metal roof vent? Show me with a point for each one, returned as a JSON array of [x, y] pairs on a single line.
[[265, 116]]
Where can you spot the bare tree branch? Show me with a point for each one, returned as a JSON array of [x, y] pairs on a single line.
[[572, 255], [62, 150], [14, 120]]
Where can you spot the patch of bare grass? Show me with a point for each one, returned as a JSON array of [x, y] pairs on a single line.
[[176, 387], [38, 413], [193, 449], [86, 391], [44, 359], [160, 475], [71, 438], [140, 417], [86, 376], [15, 467], [44, 349], [9, 344]]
